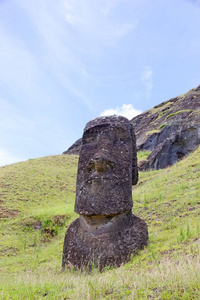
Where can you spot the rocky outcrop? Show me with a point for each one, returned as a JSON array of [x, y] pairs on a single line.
[[179, 144], [171, 130], [75, 148]]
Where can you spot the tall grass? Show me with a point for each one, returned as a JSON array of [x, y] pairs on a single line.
[[178, 279]]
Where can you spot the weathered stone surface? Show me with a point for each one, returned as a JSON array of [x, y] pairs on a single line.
[[107, 160], [108, 244], [171, 130], [106, 232]]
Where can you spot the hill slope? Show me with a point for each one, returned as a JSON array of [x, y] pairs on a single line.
[[37, 199]]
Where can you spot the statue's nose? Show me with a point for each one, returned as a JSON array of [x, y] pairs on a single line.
[[100, 164]]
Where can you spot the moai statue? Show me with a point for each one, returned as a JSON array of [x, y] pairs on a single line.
[[106, 232]]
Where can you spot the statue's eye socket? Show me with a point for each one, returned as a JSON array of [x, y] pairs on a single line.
[[89, 140], [120, 141]]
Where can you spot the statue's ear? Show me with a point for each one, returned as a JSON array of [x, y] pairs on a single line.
[[134, 160]]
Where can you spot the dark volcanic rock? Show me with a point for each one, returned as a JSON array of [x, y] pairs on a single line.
[[175, 147], [75, 148], [109, 244], [171, 130], [107, 232]]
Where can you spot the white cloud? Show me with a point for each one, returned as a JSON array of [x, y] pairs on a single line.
[[147, 73], [147, 79], [59, 49], [126, 110], [66, 33], [18, 65], [95, 19], [7, 158]]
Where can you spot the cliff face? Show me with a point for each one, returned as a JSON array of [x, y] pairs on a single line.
[[171, 130]]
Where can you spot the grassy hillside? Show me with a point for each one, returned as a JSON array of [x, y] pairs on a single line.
[[36, 205]]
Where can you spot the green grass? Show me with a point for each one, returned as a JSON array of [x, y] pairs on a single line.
[[152, 131], [161, 109], [180, 111], [142, 155], [163, 125], [36, 205]]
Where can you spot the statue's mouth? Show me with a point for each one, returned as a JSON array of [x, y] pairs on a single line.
[[98, 178]]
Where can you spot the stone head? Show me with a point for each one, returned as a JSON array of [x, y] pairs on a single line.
[[107, 167]]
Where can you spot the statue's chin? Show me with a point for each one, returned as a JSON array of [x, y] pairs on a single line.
[[103, 224], [102, 192]]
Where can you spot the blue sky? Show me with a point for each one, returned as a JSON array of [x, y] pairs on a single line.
[[65, 62]]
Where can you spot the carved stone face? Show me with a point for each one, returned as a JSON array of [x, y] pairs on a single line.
[[104, 179]]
